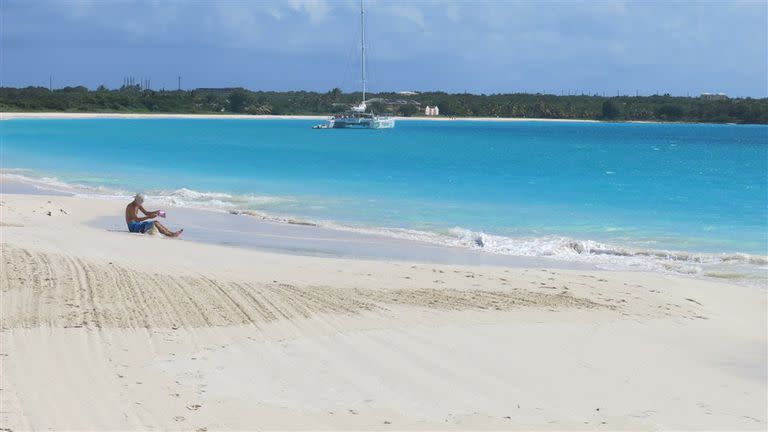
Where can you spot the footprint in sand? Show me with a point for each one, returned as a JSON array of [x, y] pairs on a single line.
[[194, 407]]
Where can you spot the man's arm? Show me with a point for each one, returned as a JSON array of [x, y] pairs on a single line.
[[149, 214]]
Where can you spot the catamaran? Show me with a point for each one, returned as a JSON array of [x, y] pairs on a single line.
[[356, 116]]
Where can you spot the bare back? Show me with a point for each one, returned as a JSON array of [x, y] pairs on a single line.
[[132, 212]]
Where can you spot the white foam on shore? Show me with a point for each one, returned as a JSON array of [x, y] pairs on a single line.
[[736, 267], [740, 267]]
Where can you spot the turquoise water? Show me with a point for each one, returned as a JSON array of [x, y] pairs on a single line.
[[527, 188]]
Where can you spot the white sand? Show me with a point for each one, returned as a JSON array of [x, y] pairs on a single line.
[[109, 330]]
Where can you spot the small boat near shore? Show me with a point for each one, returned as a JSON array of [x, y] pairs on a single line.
[[358, 116]]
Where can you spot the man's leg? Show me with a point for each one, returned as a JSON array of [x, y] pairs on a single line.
[[165, 231]]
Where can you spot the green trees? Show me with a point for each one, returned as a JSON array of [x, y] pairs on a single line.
[[335, 94], [131, 99], [669, 112], [376, 107], [408, 110], [610, 110], [237, 100]]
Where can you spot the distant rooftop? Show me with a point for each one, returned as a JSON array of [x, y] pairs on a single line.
[[714, 96]]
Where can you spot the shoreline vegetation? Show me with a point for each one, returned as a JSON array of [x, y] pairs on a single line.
[[242, 103], [228, 116]]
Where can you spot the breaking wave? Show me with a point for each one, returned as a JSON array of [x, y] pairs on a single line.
[[181, 197], [735, 267], [750, 269]]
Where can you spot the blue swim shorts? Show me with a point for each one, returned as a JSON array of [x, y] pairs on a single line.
[[140, 227]]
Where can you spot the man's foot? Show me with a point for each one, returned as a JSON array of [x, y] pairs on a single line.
[[177, 233]]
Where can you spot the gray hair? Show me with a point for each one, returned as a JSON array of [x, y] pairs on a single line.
[[139, 198]]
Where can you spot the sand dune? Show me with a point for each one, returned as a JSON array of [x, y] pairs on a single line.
[[109, 331]]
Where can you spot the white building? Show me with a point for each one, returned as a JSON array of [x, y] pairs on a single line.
[[431, 111], [714, 96]]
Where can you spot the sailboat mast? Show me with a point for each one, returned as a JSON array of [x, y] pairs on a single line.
[[362, 47]]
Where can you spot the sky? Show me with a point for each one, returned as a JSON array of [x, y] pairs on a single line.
[[476, 46]]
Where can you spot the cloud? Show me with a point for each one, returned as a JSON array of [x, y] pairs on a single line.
[[712, 44], [413, 14], [315, 9]]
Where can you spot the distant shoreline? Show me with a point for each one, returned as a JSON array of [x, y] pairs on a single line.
[[73, 115], [67, 115]]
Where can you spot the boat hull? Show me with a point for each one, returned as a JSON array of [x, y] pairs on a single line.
[[364, 122]]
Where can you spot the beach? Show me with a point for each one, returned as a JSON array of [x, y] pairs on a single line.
[[103, 329], [430, 216]]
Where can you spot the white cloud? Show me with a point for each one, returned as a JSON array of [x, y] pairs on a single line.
[[452, 12], [315, 9], [412, 14]]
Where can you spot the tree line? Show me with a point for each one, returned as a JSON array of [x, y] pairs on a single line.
[[134, 99]]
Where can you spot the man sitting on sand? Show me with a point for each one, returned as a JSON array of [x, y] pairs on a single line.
[[141, 224]]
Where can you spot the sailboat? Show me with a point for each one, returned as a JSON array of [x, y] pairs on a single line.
[[356, 116]]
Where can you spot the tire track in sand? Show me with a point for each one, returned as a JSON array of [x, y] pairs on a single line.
[[80, 293]]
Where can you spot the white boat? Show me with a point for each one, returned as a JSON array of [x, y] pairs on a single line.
[[356, 116]]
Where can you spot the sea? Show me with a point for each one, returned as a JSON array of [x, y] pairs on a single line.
[[674, 198]]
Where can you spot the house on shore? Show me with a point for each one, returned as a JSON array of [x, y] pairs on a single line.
[[714, 96]]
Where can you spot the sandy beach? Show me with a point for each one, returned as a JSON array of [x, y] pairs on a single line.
[[107, 330]]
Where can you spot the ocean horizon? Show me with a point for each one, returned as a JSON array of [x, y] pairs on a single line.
[[679, 198]]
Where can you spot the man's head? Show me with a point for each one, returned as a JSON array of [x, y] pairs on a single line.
[[139, 198]]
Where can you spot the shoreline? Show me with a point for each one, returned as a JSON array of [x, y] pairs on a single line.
[[66, 115], [98, 115], [241, 230], [282, 234], [112, 330]]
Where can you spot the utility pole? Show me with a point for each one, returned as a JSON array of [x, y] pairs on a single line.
[[179, 83], [50, 82]]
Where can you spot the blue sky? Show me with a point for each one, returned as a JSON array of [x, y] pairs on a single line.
[[476, 46]]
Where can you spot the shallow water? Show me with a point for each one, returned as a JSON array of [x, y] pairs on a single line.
[[674, 197]]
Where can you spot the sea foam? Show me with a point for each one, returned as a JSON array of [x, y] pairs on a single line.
[[737, 267]]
